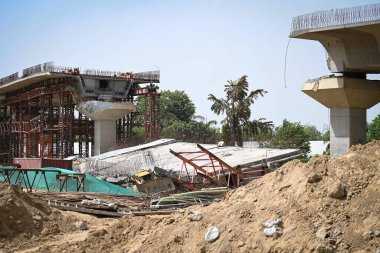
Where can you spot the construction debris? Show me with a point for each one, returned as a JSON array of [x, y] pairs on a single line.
[[303, 215], [195, 216], [129, 161], [94, 203], [271, 227], [155, 168], [203, 197], [212, 234]]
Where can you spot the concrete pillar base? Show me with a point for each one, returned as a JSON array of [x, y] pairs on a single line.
[[348, 99], [348, 126], [104, 115], [104, 135]]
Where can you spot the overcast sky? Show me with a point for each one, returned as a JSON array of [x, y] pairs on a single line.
[[197, 45]]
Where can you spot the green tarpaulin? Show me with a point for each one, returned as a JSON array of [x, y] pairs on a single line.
[[91, 184]]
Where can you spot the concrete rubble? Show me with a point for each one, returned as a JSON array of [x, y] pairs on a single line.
[[272, 227], [212, 234]]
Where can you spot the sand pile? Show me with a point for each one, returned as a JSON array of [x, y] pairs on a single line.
[[326, 205], [19, 212], [26, 221]]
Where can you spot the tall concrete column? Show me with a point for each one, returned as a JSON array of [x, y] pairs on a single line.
[[348, 100], [347, 127], [104, 135], [104, 115]]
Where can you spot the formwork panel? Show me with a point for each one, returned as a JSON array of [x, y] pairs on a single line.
[[33, 163], [28, 163]]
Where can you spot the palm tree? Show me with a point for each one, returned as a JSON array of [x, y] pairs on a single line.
[[202, 119], [236, 107]]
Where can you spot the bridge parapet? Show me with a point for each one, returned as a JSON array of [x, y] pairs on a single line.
[[337, 17], [351, 37], [9, 79], [49, 67]]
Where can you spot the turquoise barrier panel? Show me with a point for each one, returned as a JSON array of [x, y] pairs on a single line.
[[91, 184]]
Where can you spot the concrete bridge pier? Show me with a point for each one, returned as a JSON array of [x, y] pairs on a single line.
[[104, 115], [348, 126], [348, 100], [104, 135]]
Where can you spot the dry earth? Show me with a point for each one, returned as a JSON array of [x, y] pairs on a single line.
[[326, 205]]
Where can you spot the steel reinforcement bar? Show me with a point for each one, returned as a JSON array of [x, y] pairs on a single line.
[[337, 17]]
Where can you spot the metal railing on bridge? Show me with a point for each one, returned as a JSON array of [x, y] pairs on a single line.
[[337, 17], [8, 79], [40, 68], [148, 76]]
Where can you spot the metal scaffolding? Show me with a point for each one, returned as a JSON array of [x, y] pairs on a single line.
[[4, 134], [152, 115], [40, 120], [150, 118]]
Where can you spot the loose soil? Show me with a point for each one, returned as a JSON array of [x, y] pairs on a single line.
[[326, 205]]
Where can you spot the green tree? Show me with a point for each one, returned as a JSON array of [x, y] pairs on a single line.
[[139, 104], [192, 131], [174, 105], [236, 107], [313, 133], [374, 129], [289, 135], [138, 131], [326, 133]]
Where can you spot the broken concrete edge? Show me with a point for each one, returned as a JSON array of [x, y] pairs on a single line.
[[125, 151]]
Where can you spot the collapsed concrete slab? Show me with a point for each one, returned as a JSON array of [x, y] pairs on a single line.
[[157, 154]]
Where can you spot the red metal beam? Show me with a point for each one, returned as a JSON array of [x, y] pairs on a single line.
[[217, 158], [188, 161], [17, 98], [196, 167]]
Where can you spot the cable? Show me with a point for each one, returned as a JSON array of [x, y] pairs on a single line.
[[286, 55]]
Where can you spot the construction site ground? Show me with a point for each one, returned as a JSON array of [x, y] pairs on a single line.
[[326, 205]]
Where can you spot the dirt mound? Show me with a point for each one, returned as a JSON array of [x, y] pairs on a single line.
[[26, 221], [326, 205], [19, 212]]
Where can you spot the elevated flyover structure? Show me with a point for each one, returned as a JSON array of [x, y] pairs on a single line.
[[38, 118], [351, 37]]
